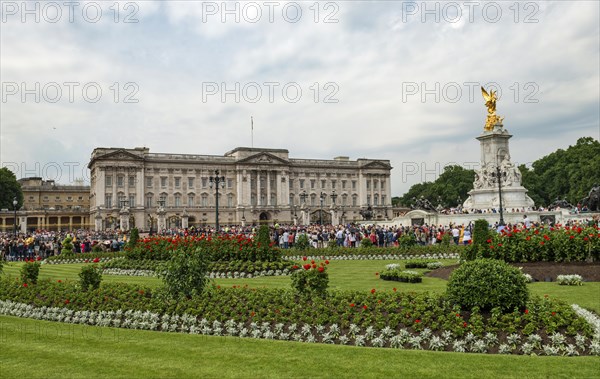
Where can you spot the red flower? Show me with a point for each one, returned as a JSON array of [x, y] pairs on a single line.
[[295, 267], [571, 237], [553, 313], [457, 315], [312, 262], [365, 307], [326, 262], [373, 290], [321, 269], [546, 237], [96, 260], [528, 238], [351, 305], [499, 245], [376, 274], [394, 289], [489, 241], [526, 311], [252, 314], [417, 321], [541, 243], [464, 324], [24, 284], [67, 301], [306, 266], [585, 238], [59, 281], [304, 258], [314, 265], [141, 292]]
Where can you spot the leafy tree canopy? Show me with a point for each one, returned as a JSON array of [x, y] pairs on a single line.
[[567, 174], [9, 189], [453, 183]]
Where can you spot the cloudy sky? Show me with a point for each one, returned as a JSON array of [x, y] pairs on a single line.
[[390, 79]]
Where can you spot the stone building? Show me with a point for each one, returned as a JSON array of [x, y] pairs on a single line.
[[152, 190], [50, 206]]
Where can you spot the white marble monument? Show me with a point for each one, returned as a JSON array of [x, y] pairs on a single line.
[[495, 154]]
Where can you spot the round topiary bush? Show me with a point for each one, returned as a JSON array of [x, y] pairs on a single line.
[[487, 283]]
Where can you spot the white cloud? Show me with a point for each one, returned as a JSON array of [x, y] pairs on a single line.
[[370, 54]]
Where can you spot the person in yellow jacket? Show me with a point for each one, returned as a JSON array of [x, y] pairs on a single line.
[[461, 235]]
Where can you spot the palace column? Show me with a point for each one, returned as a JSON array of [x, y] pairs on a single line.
[[269, 188], [258, 197]]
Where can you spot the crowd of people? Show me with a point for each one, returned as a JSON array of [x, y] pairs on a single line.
[[41, 244]]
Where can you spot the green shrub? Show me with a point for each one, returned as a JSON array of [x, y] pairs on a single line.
[[407, 240], [479, 247], [446, 239], [366, 243], [184, 274], [97, 248], [263, 237], [311, 280], [134, 236], [30, 272], [303, 243], [90, 276], [487, 283], [67, 245]]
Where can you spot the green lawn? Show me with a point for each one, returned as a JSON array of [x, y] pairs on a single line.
[[354, 275], [41, 349]]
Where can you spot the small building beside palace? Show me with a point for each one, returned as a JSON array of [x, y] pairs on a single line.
[[134, 187], [49, 206]]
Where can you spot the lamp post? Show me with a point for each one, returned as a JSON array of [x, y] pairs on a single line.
[[333, 196], [499, 174], [15, 202], [321, 197], [303, 196], [217, 181]]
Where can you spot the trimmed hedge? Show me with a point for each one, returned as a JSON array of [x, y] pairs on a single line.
[[487, 284]]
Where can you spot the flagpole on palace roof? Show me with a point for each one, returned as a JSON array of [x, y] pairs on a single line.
[[252, 130]]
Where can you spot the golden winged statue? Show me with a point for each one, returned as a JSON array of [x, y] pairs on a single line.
[[490, 103]]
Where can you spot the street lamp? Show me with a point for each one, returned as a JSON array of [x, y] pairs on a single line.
[[15, 202], [217, 181], [333, 196], [321, 197], [303, 196], [499, 176]]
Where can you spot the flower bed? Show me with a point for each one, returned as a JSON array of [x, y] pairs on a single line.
[[82, 257], [569, 280], [422, 263], [378, 318], [358, 257], [129, 272], [221, 248], [548, 244], [413, 251], [402, 276]]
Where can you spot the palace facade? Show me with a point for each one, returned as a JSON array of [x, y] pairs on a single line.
[[134, 187], [49, 206]]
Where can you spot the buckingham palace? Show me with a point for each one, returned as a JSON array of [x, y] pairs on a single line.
[[133, 187]]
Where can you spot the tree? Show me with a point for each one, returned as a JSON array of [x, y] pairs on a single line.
[[453, 183], [567, 174], [9, 189]]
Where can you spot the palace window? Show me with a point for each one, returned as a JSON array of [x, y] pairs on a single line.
[[149, 182], [190, 200], [190, 182], [177, 182], [120, 181], [132, 181], [163, 182], [108, 181], [108, 201]]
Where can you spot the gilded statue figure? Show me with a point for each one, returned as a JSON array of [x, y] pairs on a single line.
[[490, 103]]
